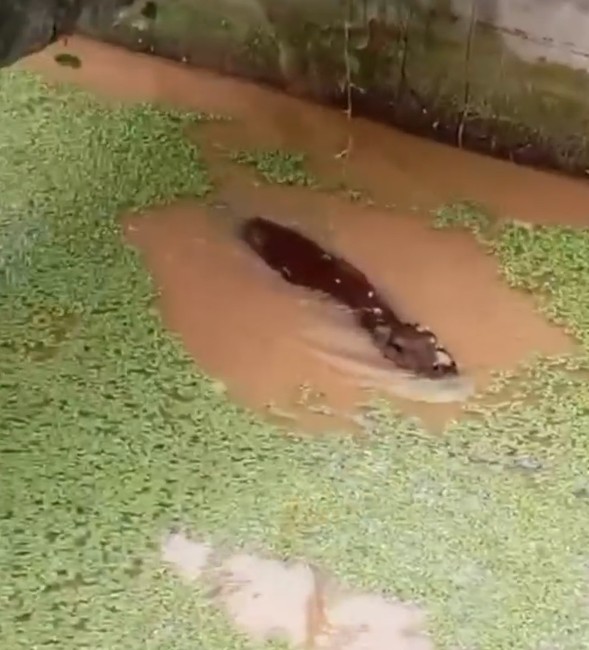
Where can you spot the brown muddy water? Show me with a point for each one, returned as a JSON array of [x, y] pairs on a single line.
[[397, 168], [273, 344]]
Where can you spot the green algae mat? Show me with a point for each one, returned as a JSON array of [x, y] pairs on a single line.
[[109, 436]]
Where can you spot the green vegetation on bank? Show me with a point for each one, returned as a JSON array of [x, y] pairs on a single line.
[[110, 436]]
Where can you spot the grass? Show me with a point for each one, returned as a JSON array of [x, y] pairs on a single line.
[[276, 166], [110, 435]]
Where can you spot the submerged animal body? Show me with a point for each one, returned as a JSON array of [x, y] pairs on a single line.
[[304, 263]]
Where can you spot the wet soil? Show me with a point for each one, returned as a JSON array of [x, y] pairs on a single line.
[[260, 336]]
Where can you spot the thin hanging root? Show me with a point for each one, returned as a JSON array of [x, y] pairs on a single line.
[[345, 153]]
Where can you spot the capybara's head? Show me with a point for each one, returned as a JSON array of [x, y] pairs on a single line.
[[416, 349]]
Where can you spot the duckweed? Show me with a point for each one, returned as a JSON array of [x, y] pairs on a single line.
[[115, 436]]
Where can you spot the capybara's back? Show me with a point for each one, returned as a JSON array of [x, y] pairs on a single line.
[[303, 262]]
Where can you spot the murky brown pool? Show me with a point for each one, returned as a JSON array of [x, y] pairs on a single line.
[[244, 324], [260, 336]]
